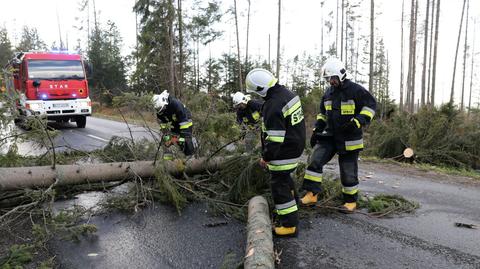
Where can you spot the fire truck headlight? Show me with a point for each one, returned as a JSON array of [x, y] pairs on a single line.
[[36, 106], [84, 103], [44, 96]]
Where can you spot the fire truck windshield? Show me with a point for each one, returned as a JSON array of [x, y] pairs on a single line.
[[55, 69]]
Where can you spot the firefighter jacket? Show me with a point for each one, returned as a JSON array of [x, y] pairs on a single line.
[[251, 114], [348, 103], [283, 129], [176, 114]]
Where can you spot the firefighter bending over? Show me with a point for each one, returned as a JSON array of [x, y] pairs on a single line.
[[249, 113], [345, 108], [172, 113], [283, 141]]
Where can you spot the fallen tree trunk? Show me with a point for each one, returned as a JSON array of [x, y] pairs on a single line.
[[259, 252], [43, 176]]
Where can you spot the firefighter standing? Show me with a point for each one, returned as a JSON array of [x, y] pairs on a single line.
[[248, 116], [171, 112], [283, 141], [345, 108]]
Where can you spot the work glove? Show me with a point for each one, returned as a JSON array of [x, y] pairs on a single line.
[[349, 126], [317, 132]]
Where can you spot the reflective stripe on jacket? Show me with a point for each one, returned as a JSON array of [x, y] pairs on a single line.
[[349, 102], [251, 114], [178, 116], [283, 129]]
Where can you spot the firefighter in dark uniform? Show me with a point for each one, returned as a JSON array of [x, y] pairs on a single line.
[[283, 141], [175, 122], [345, 108], [249, 113]]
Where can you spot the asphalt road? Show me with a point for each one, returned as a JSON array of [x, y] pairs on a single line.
[[426, 239], [159, 238], [95, 135]]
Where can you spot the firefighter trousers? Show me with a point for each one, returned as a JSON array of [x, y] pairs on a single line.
[[285, 197], [348, 163]]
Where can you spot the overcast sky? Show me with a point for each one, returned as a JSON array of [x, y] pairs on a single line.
[[300, 29]]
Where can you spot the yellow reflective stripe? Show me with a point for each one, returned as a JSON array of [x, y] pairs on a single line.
[[353, 145], [185, 125], [281, 167], [348, 107], [367, 112], [350, 190], [313, 178], [287, 210], [285, 205], [357, 123], [278, 139], [181, 139], [292, 109], [321, 117], [164, 125], [328, 105], [296, 106], [256, 115]]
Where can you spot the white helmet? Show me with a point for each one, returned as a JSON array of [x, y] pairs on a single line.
[[240, 98], [160, 101], [334, 67], [259, 81]]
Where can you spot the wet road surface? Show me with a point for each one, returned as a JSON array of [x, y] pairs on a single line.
[[156, 237], [427, 239], [159, 238]]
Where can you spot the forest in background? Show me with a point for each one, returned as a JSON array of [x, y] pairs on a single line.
[[173, 34]]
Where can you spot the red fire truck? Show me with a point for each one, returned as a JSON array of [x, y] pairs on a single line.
[[50, 84]]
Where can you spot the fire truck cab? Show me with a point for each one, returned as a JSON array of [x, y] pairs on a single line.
[[50, 84]]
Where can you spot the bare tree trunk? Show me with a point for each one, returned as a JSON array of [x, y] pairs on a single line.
[[197, 83], [471, 67], [465, 57], [240, 83], [259, 251], [321, 27], [336, 30], [195, 64], [171, 48], [341, 30], [43, 176], [346, 38], [269, 59], [180, 47], [356, 58], [414, 58], [425, 46], [372, 39], [278, 37], [430, 54], [248, 31], [435, 51], [456, 53], [401, 59], [209, 75]]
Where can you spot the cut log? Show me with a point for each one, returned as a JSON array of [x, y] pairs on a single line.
[[259, 251], [44, 176], [408, 153]]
